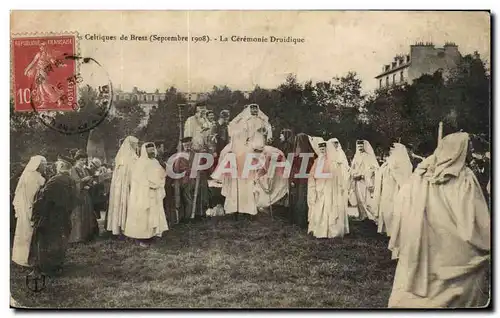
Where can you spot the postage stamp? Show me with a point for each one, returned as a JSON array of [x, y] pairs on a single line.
[[40, 72], [49, 77]]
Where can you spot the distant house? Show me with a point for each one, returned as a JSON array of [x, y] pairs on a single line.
[[423, 59]]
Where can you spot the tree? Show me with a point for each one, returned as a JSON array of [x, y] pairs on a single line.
[[163, 123]]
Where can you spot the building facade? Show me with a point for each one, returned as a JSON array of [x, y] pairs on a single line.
[[147, 101], [424, 58]]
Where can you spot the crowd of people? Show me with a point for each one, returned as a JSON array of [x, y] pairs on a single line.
[[435, 212]]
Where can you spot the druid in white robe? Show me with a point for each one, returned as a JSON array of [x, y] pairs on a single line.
[[391, 176], [326, 196], [442, 235], [146, 215], [29, 183], [363, 168], [247, 133], [120, 185], [245, 128]]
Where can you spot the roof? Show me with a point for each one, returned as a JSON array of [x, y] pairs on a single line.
[[392, 70]]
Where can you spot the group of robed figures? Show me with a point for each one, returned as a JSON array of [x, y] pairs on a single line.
[[436, 216]]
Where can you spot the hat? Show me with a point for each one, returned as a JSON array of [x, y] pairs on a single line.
[[80, 154], [65, 159], [96, 162], [150, 145], [322, 144], [224, 113], [186, 139]]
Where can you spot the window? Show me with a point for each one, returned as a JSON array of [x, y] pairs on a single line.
[[393, 64], [145, 97], [402, 78], [153, 98], [380, 83], [387, 81], [407, 59], [393, 78]]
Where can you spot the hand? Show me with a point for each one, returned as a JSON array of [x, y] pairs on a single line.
[[292, 184]]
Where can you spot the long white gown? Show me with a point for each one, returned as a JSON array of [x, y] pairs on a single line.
[[441, 237], [246, 194], [146, 215], [326, 197], [29, 183], [389, 179], [364, 164], [120, 186]]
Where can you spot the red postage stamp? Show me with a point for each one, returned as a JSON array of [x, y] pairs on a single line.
[[42, 72]]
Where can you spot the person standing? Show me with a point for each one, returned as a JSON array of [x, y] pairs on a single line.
[[83, 220], [248, 132], [31, 181], [196, 127], [119, 192], [146, 215], [188, 184], [298, 184], [325, 194], [286, 141], [389, 179], [363, 168], [442, 239], [222, 131], [51, 220]]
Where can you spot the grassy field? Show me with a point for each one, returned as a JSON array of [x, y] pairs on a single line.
[[222, 262]]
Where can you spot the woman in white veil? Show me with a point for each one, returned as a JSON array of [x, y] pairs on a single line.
[[120, 185], [29, 184]]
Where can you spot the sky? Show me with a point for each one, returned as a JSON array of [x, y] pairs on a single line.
[[335, 42]]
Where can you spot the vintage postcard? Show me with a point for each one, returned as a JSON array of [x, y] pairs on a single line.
[[250, 159]]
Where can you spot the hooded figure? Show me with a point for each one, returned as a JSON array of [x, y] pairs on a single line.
[[442, 235], [248, 132], [29, 183], [326, 195], [341, 154], [245, 127], [363, 168], [391, 176], [119, 192], [146, 215]]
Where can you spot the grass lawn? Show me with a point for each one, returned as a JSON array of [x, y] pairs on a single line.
[[222, 262]]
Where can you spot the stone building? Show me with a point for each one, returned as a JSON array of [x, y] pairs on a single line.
[[424, 58], [147, 101]]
